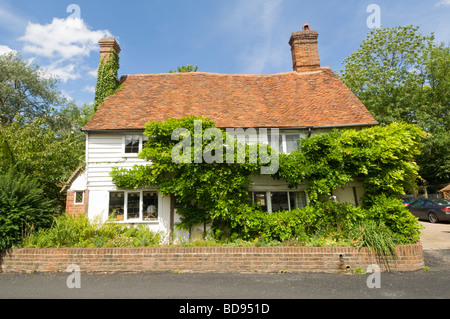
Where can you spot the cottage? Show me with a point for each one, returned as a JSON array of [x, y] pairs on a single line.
[[309, 100]]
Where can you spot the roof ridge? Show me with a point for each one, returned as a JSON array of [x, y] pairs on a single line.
[[322, 69]]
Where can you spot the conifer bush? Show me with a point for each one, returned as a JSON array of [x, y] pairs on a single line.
[[23, 208]]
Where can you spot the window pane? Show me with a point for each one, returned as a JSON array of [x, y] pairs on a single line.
[[292, 201], [299, 200], [79, 197], [259, 198], [132, 144], [292, 143], [276, 143], [144, 140], [150, 205], [133, 205], [279, 201], [116, 204]]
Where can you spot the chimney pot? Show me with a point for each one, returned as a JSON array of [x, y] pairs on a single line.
[[305, 53]]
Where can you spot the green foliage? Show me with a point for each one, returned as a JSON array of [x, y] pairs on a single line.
[[396, 217], [385, 72], [70, 119], [24, 94], [23, 208], [382, 158], [69, 231], [378, 237], [401, 75], [205, 191], [185, 69], [39, 152], [107, 79]]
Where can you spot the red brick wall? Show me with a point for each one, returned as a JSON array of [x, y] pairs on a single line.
[[206, 259], [75, 209]]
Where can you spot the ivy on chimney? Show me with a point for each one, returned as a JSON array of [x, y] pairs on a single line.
[[107, 79]]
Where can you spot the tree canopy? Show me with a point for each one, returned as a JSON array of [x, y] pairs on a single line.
[[40, 131], [401, 75], [185, 69], [25, 94]]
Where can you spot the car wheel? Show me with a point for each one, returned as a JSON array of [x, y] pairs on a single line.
[[432, 218]]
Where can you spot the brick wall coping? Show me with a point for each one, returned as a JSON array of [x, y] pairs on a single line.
[[219, 259]]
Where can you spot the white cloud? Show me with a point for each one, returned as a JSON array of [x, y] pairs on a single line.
[[63, 38], [443, 3], [5, 50], [65, 43], [63, 72], [93, 73], [90, 89]]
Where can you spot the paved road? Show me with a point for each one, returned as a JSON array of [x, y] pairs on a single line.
[[429, 284], [432, 283]]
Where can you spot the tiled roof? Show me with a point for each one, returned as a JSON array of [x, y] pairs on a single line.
[[284, 100]]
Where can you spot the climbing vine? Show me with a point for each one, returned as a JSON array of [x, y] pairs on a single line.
[[107, 79], [381, 158]]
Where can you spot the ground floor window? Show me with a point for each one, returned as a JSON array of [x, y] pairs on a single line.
[[79, 198], [134, 205], [279, 201]]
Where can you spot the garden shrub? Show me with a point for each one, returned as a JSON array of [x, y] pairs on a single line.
[[23, 208], [376, 236], [317, 221], [397, 218], [68, 231]]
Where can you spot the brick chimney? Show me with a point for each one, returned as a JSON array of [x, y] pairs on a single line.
[[106, 44], [305, 54]]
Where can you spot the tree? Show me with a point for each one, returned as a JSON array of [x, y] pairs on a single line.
[[39, 152], [401, 75], [435, 158], [24, 93], [70, 119], [185, 69]]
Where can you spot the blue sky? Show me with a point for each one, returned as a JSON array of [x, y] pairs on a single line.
[[220, 36]]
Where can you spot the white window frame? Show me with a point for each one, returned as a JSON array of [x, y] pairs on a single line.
[[75, 198], [282, 141], [269, 198], [141, 206], [285, 150], [141, 144]]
